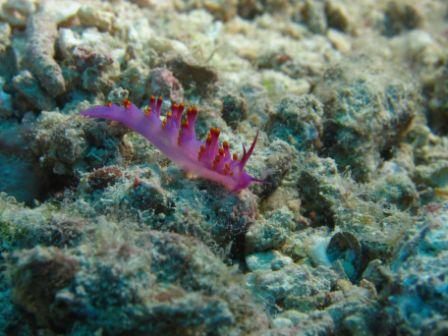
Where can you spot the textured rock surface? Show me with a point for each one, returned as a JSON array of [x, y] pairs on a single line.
[[345, 236], [298, 121], [42, 33], [175, 286], [420, 266], [348, 138]]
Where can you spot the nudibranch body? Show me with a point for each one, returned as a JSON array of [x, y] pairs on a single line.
[[176, 138]]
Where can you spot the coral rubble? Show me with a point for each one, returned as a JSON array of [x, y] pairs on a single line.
[[100, 233]]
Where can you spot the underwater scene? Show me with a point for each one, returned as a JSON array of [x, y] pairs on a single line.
[[223, 167]]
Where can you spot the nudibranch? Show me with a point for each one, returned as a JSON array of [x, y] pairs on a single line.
[[176, 138]]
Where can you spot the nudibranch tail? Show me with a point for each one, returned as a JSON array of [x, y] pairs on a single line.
[[175, 136], [246, 155]]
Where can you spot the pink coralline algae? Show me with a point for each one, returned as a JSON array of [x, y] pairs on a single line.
[[176, 138]]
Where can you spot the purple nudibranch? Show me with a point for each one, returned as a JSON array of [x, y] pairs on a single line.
[[176, 138]]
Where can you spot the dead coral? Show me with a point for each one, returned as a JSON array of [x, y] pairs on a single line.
[[220, 9], [337, 15], [249, 9], [59, 147], [365, 116], [22, 227], [234, 109], [289, 284], [15, 12], [192, 75], [163, 83], [321, 189], [298, 121], [160, 283], [401, 16], [146, 195], [28, 87], [270, 233], [103, 177], [37, 275], [436, 88], [420, 267], [314, 16], [64, 145], [89, 69], [278, 162], [42, 32], [8, 65], [96, 16]]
